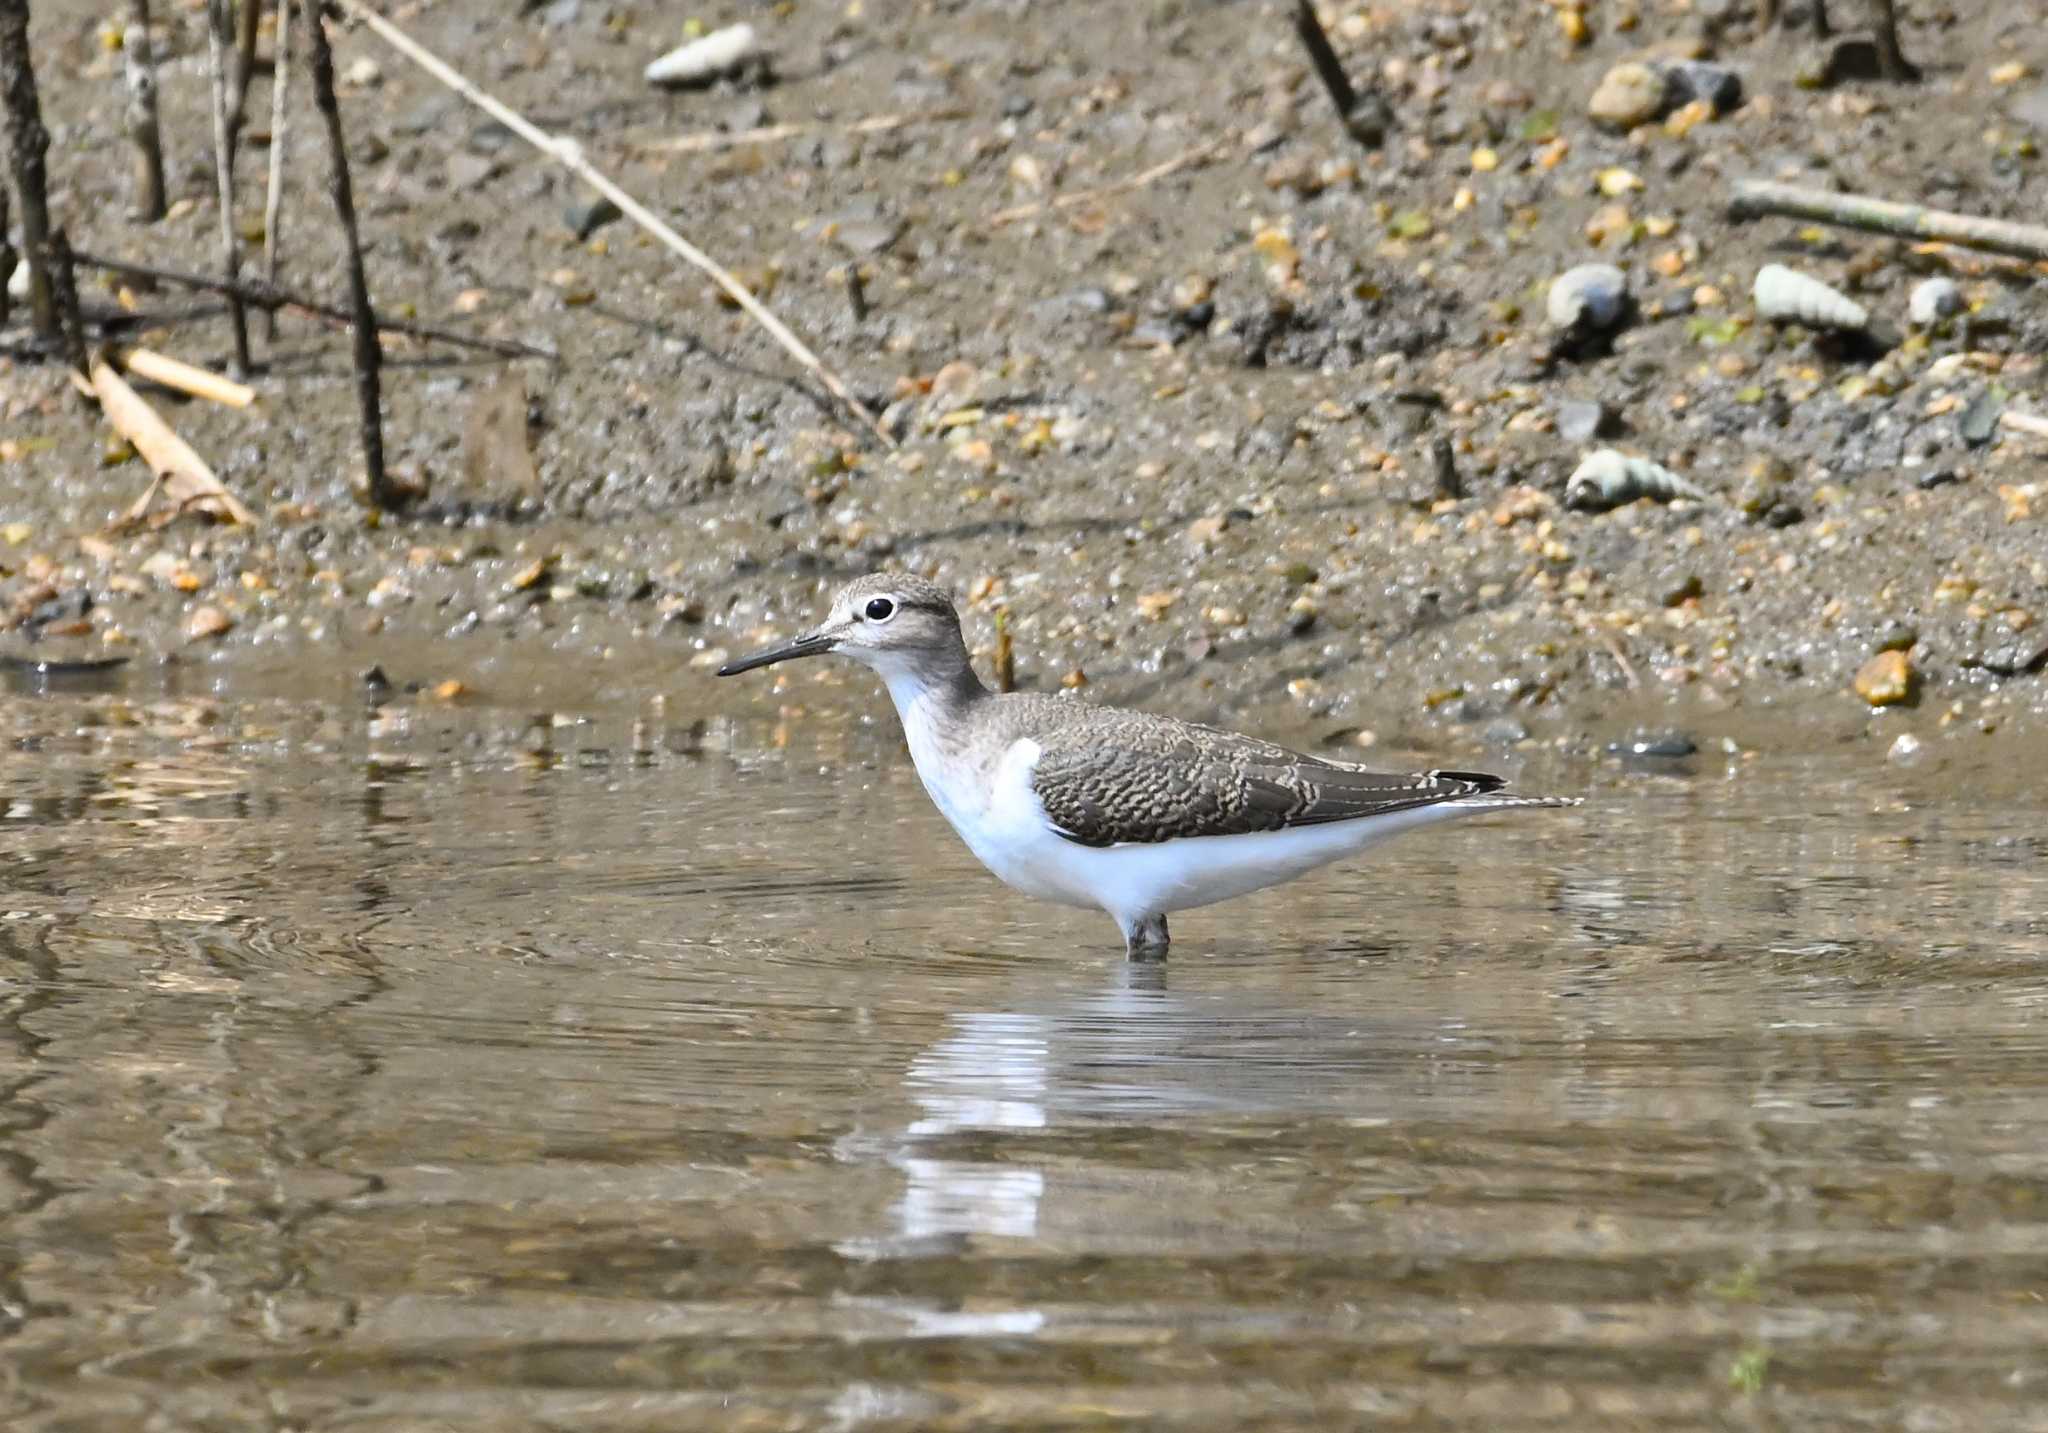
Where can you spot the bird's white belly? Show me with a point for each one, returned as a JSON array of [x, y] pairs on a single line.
[[1009, 832]]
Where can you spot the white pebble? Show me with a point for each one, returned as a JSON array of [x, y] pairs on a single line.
[[1934, 300], [705, 59]]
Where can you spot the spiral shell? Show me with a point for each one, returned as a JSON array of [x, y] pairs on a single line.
[[1588, 297], [705, 59], [1934, 300], [1609, 479], [1787, 296]]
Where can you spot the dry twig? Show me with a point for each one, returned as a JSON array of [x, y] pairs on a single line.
[[269, 296], [176, 467], [715, 140], [570, 155], [1200, 154], [1912, 221], [168, 372]]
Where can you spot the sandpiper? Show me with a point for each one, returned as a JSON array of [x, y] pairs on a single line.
[[1092, 806]]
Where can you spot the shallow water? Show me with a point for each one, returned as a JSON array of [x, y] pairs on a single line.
[[472, 1071]]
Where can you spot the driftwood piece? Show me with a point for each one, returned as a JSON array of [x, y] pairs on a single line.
[[570, 155], [138, 66], [320, 60], [268, 296], [28, 146], [168, 372], [224, 174], [179, 470], [1755, 197]]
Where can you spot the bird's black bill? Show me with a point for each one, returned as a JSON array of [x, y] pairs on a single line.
[[812, 644]]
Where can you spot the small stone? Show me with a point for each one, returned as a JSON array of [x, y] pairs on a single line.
[[1505, 731], [1897, 637], [1630, 94], [1656, 745], [1784, 514], [1683, 590], [1716, 85], [864, 237], [208, 622], [1979, 421], [1583, 421], [1937, 478], [449, 690], [1887, 679], [586, 219], [1906, 750], [529, 576]]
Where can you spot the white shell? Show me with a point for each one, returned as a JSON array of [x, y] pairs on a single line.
[[1786, 296], [1609, 479], [1934, 300], [704, 59], [1589, 296]]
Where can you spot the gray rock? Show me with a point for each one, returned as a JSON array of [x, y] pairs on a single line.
[[586, 219], [1689, 80], [1506, 731], [1669, 745], [1938, 478], [1979, 422], [1582, 421]]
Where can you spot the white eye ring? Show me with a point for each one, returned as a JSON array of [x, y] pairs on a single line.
[[879, 609]]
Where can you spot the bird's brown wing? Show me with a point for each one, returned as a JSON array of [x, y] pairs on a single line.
[[1160, 781]]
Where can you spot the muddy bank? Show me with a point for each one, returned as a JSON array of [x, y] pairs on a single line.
[[1186, 434]]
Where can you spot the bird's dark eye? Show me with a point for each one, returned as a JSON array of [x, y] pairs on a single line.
[[880, 609]]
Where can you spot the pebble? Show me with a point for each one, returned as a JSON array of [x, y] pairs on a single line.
[[704, 59], [1714, 84], [1906, 750], [1979, 421], [1669, 745], [1934, 300], [208, 622], [1887, 679], [1937, 478], [1630, 94], [1505, 731], [586, 219], [1582, 421]]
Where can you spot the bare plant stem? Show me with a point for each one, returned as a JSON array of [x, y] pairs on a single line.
[[224, 176], [320, 59], [267, 296], [248, 18], [64, 292], [138, 61], [570, 154], [28, 145], [1909, 221], [7, 257], [280, 124]]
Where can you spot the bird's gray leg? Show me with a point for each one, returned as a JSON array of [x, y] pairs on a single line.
[[1145, 938]]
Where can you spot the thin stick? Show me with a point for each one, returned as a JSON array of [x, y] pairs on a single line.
[[171, 459], [1913, 221], [280, 123], [1366, 119], [714, 140], [248, 19], [28, 143], [570, 155], [1199, 154], [138, 62], [367, 356], [224, 175], [268, 296], [168, 372]]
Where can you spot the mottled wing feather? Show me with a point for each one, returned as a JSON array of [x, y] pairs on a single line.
[[1171, 780]]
